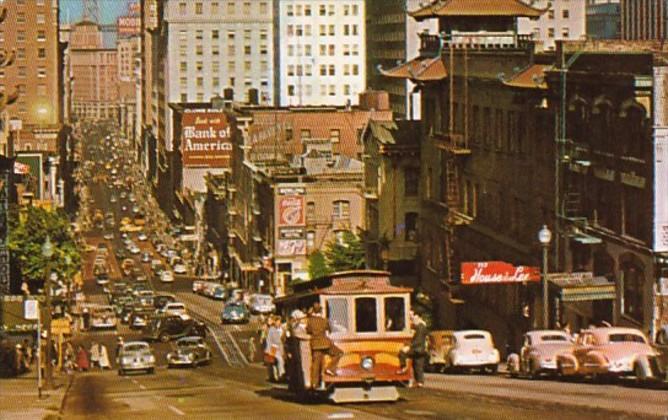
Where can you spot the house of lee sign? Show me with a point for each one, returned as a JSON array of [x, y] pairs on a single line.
[[496, 272]]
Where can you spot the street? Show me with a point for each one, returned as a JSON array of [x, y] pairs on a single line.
[[234, 385]]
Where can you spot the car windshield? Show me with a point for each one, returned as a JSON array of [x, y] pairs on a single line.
[[626, 338], [553, 337], [191, 342], [136, 347]]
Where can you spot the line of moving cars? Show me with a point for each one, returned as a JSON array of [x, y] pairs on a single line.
[[596, 352], [238, 305]]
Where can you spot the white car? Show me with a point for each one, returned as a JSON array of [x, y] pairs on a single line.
[[473, 350], [108, 236], [103, 317], [136, 355], [180, 268], [142, 237], [167, 276], [134, 249], [175, 308]]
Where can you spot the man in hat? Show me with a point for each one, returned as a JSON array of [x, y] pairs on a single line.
[[417, 351], [317, 326]]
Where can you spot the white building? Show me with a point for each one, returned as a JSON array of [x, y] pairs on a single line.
[[321, 52], [564, 20], [214, 45]]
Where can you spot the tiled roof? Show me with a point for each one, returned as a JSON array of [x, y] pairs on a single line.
[[445, 8], [419, 69], [532, 77]]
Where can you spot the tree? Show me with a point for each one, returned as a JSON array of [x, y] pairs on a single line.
[[347, 254], [317, 265], [28, 232]]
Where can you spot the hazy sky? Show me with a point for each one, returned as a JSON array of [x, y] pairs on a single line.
[[72, 10]]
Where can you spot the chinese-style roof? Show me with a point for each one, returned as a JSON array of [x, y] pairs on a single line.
[[532, 77], [459, 8], [419, 69]]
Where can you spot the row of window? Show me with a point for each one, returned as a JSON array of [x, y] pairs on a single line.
[[565, 32], [215, 82], [324, 49], [200, 97], [40, 18], [215, 35], [215, 50], [22, 71], [325, 70], [231, 8], [215, 66], [325, 30], [21, 36], [323, 10], [307, 90]]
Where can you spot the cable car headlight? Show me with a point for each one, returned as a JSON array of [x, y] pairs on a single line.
[[367, 363]]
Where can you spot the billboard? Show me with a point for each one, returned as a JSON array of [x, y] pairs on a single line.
[[497, 272], [291, 247], [291, 210], [206, 139], [128, 25]]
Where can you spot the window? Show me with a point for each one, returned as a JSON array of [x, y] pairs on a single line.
[[366, 317], [264, 8], [200, 82], [41, 90], [20, 36], [346, 90], [20, 18], [395, 314], [341, 210], [231, 7], [550, 14], [41, 72], [565, 14], [335, 135], [633, 279], [322, 10], [565, 32], [332, 70], [247, 8], [199, 9], [41, 35], [310, 239], [214, 8], [290, 11], [215, 34], [356, 69], [291, 90], [410, 223], [21, 53], [332, 30], [550, 32], [183, 82], [310, 211], [184, 97], [337, 314], [411, 181], [305, 134]]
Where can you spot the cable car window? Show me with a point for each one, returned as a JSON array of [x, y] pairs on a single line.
[[337, 313], [366, 318], [395, 314]]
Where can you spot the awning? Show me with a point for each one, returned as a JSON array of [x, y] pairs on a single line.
[[420, 69], [589, 289]]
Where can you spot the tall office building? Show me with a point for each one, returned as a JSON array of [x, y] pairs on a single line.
[[30, 29], [644, 19], [392, 37], [603, 19], [562, 20], [321, 52]]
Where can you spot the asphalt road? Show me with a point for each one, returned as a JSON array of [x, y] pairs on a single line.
[[238, 389]]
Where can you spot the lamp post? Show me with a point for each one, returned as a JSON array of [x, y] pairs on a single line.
[[545, 237], [47, 252]]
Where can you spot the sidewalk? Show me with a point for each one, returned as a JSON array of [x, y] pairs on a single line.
[[19, 398]]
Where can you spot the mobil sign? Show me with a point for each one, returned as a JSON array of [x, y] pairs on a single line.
[[497, 272], [206, 139]]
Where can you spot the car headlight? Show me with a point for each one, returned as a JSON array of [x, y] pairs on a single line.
[[367, 363], [126, 360], [151, 359]]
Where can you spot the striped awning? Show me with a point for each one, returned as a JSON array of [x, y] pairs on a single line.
[[596, 288]]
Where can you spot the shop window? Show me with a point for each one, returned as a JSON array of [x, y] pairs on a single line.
[[366, 317], [395, 314]]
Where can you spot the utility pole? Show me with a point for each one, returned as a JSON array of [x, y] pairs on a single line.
[[47, 252]]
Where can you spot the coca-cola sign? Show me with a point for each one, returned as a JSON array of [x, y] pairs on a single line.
[[206, 139], [497, 272], [291, 210]]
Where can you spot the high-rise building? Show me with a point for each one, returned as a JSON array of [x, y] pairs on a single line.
[[321, 52], [603, 19], [644, 19], [95, 70], [562, 20], [214, 45], [30, 30], [392, 37]]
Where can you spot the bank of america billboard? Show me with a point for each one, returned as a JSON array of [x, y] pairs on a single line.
[[206, 139]]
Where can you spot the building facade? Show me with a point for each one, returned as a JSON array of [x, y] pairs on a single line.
[[392, 36], [95, 70], [561, 20], [604, 19], [321, 52], [30, 33], [644, 19]]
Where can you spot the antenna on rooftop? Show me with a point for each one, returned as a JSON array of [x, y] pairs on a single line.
[[91, 11]]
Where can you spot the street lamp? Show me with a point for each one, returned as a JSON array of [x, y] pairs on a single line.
[[47, 252], [545, 237]]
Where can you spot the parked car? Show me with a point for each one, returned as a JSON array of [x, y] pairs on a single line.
[[142, 237], [161, 299], [146, 257], [134, 249], [610, 352], [169, 326], [262, 304], [539, 353], [190, 351], [136, 355], [439, 344], [108, 236], [473, 350], [219, 292], [235, 312], [103, 317], [102, 278], [166, 276]]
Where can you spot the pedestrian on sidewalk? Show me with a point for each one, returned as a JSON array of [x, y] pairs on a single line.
[[104, 357], [94, 355], [119, 346], [82, 359]]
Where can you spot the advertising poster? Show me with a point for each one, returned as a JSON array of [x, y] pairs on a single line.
[[291, 210], [291, 247], [205, 139]]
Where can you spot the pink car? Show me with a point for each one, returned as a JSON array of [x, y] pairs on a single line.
[[539, 353], [610, 351]]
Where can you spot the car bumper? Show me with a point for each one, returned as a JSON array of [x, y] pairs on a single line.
[[101, 325], [137, 366], [180, 362]]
